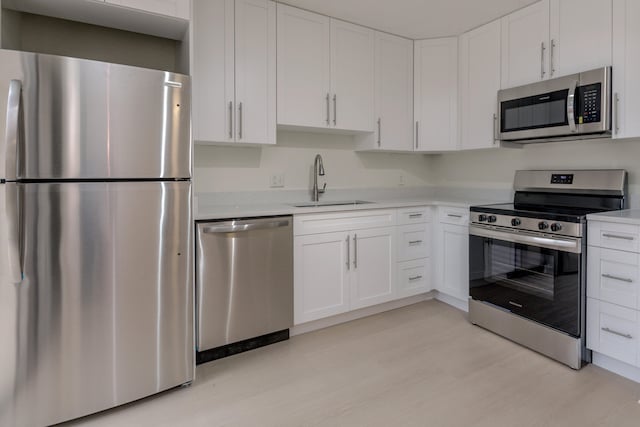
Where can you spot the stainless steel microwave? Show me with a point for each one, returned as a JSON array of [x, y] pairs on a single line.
[[577, 106]]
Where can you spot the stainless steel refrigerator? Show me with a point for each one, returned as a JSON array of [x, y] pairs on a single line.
[[96, 294]]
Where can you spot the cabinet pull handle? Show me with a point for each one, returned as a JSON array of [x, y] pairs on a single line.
[[454, 216], [415, 215], [542, 72], [616, 113], [411, 279], [379, 132], [615, 236], [328, 111], [417, 134], [621, 279], [415, 242], [495, 128], [230, 119], [355, 251], [552, 66], [240, 121], [335, 109], [620, 334], [348, 253]]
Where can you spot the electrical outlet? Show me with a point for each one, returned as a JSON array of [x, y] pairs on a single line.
[[276, 180]]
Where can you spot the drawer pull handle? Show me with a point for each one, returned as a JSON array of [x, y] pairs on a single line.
[[615, 236], [415, 216], [454, 216], [620, 334], [411, 279], [415, 242], [621, 279]]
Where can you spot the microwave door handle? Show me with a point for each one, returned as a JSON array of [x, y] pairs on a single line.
[[571, 114]]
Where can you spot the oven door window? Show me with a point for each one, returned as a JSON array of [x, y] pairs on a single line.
[[535, 112], [536, 283]]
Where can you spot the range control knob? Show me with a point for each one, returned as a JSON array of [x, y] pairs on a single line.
[[482, 217], [543, 225], [556, 227], [516, 222], [492, 218]]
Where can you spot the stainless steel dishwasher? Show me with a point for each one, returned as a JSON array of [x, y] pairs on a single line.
[[244, 281]]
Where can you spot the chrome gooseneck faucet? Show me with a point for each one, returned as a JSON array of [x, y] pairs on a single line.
[[318, 170]]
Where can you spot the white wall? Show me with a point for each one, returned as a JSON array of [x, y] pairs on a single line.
[[495, 168], [249, 169]]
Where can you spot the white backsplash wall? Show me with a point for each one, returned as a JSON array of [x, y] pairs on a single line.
[[225, 169], [495, 168]]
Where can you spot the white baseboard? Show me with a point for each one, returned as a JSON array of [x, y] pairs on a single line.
[[357, 314], [616, 366], [453, 301]]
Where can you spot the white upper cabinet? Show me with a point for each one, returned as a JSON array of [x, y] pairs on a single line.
[[325, 72], [479, 84], [626, 68], [175, 8], [436, 94], [304, 68], [525, 45], [352, 63], [234, 71], [581, 32], [393, 96]]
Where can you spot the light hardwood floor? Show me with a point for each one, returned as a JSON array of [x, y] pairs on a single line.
[[422, 365]]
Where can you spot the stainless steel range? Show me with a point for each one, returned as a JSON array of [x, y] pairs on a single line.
[[527, 259]]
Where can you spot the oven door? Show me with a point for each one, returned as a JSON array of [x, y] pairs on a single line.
[[535, 277]]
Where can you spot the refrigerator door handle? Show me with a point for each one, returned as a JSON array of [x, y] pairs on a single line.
[[13, 232], [12, 129]]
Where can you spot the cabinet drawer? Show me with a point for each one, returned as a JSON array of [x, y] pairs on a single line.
[[343, 221], [414, 242], [414, 277], [624, 237], [414, 215], [612, 276], [451, 215], [612, 330]]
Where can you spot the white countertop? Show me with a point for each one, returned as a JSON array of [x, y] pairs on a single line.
[[627, 216], [210, 211]]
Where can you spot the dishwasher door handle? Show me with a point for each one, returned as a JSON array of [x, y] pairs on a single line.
[[239, 228]]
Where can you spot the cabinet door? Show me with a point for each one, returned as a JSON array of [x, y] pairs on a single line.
[[213, 71], [525, 45], [373, 266], [626, 68], [175, 8], [255, 71], [581, 32], [303, 64], [479, 86], [321, 287], [453, 277], [394, 92], [436, 94], [352, 65]]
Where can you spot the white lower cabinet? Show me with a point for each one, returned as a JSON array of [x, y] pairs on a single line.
[[613, 291], [452, 252], [414, 277]]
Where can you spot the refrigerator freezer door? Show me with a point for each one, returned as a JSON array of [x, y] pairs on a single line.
[[94, 120], [106, 305]]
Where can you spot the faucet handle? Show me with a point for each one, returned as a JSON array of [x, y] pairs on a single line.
[[324, 187]]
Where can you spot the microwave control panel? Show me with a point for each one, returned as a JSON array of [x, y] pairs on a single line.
[[590, 100]]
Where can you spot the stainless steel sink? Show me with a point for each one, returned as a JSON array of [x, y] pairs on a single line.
[[328, 203]]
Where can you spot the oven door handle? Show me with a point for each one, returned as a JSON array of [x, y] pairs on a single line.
[[559, 244]]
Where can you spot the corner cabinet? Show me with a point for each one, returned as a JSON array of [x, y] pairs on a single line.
[[436, 94], [479, 82], [393, 96], [626, 68], [234, 71], [325, 72]]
